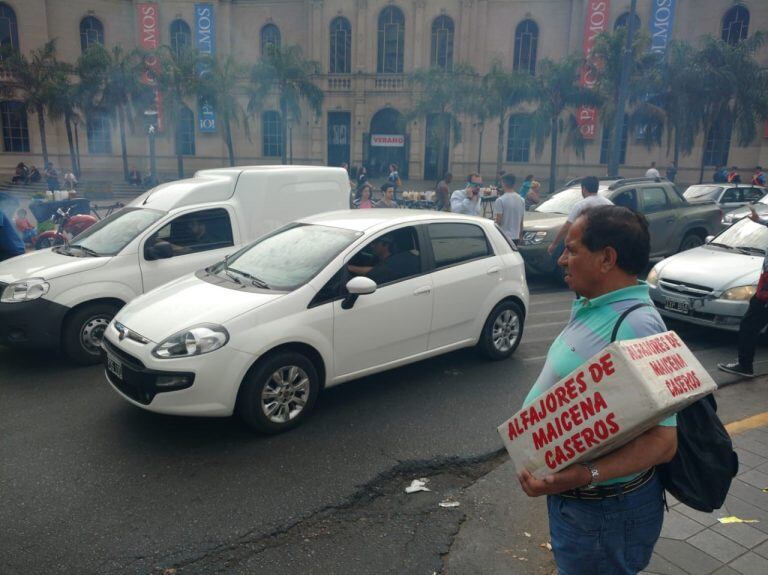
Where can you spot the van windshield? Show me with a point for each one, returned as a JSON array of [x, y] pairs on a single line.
[[287, 258], [112, 234]]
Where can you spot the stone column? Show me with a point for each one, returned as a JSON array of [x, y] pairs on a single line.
[[418, 33]]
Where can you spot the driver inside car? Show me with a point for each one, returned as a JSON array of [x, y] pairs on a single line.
[[390, 264]]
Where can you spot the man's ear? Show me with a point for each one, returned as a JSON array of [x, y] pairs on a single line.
[[608, 260]]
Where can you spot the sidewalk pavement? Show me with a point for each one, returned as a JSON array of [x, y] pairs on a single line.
[[507, 532]]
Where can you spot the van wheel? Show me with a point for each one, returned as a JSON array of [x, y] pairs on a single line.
[[83, 330], [279, 394], [502, 331]]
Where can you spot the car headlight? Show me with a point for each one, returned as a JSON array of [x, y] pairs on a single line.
[[534, 237], [25, 290], [193, 341], [653, 277], [741, 293]]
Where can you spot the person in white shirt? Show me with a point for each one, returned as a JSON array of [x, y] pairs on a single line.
[[590, 199], [652, 172], [509, 209], [467, 201]]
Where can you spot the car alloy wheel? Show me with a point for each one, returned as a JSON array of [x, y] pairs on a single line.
[[285, 394], [506, 330]]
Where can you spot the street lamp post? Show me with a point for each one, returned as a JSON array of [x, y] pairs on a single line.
[[151, 116]]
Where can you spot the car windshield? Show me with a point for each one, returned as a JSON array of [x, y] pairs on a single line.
[[745, 234], [562, 202], [702, 192], [290, 257], [112, 234]]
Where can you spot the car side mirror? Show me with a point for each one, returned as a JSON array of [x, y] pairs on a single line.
[[356, 287], [158, 251], [708, 239]]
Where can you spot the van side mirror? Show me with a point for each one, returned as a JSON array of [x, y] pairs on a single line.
[[356, 287], [158, 251]]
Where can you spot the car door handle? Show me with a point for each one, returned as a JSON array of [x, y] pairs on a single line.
[[493, 270], [422, 290]]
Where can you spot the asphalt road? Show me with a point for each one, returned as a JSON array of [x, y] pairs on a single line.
[[91, 484]]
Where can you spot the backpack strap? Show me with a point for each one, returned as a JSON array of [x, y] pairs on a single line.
[[624, 314]]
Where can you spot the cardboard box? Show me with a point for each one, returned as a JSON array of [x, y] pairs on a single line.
[[627, 388]]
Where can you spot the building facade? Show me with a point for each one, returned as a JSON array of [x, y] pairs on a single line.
[[365, 48]]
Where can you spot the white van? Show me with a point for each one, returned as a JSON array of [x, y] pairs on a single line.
[[65, 296]]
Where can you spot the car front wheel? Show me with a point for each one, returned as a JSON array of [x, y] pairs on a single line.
[[502, 331], [83, 330], [279, 393]]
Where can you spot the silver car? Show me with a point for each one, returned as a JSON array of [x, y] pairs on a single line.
[[711, 285], [727, 196], [761, 207]]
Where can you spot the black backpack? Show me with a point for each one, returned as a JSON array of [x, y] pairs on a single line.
[[705, 463]]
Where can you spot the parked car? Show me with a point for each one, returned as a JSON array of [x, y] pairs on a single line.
[[315, 304], [675, 225], [727, 196], [761, 207], [711, 284], [66, 296]]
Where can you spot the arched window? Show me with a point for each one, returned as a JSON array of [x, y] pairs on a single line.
[[9, 30], [91, 32], [623, 21], [735, 25], [271, 135], [526, 41], [99, 134], [341, 46], [391, 39], [181, 36], [442, 43], [270, 39], [519, 138], [185, 132], [13, 118]]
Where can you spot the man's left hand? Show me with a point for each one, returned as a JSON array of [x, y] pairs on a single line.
[[569, 478]]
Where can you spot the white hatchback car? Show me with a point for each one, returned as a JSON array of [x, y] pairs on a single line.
[[324, 300]]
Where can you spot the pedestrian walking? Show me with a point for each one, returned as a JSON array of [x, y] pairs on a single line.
[[51, 177], [671, 172], [362, 176], [652, 172], [753, 321], [532, 198], [759, 178], [720, 176], [605, 515], [388, 201], [443, 193], [11, 244], [733, 176], [363, 201], [526, 185], [467, 201], [509, 210], [590, 199]]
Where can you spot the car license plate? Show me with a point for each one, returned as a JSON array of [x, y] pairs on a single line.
[[114, 366], [677, 305]]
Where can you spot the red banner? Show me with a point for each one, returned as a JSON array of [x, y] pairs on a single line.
[[595, 23], [149, 39]]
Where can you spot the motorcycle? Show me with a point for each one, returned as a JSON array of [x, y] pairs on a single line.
[[67, 227]]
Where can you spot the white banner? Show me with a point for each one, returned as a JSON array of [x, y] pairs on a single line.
[[388, 140]]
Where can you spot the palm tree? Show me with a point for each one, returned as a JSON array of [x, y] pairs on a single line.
[[502, 91], [444, 94], [33, 76], [735, 94], [63, 104], [220, 87], [178, 80], [607, 61], [110, 81], [557, 91], [679, 98], [287, 73]]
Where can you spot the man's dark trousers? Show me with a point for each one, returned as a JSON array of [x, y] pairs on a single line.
[[751, 325]]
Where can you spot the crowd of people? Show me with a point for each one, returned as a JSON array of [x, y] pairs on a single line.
[[724, 175]]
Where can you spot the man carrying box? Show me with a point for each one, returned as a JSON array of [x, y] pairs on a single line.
[[605, 516]]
